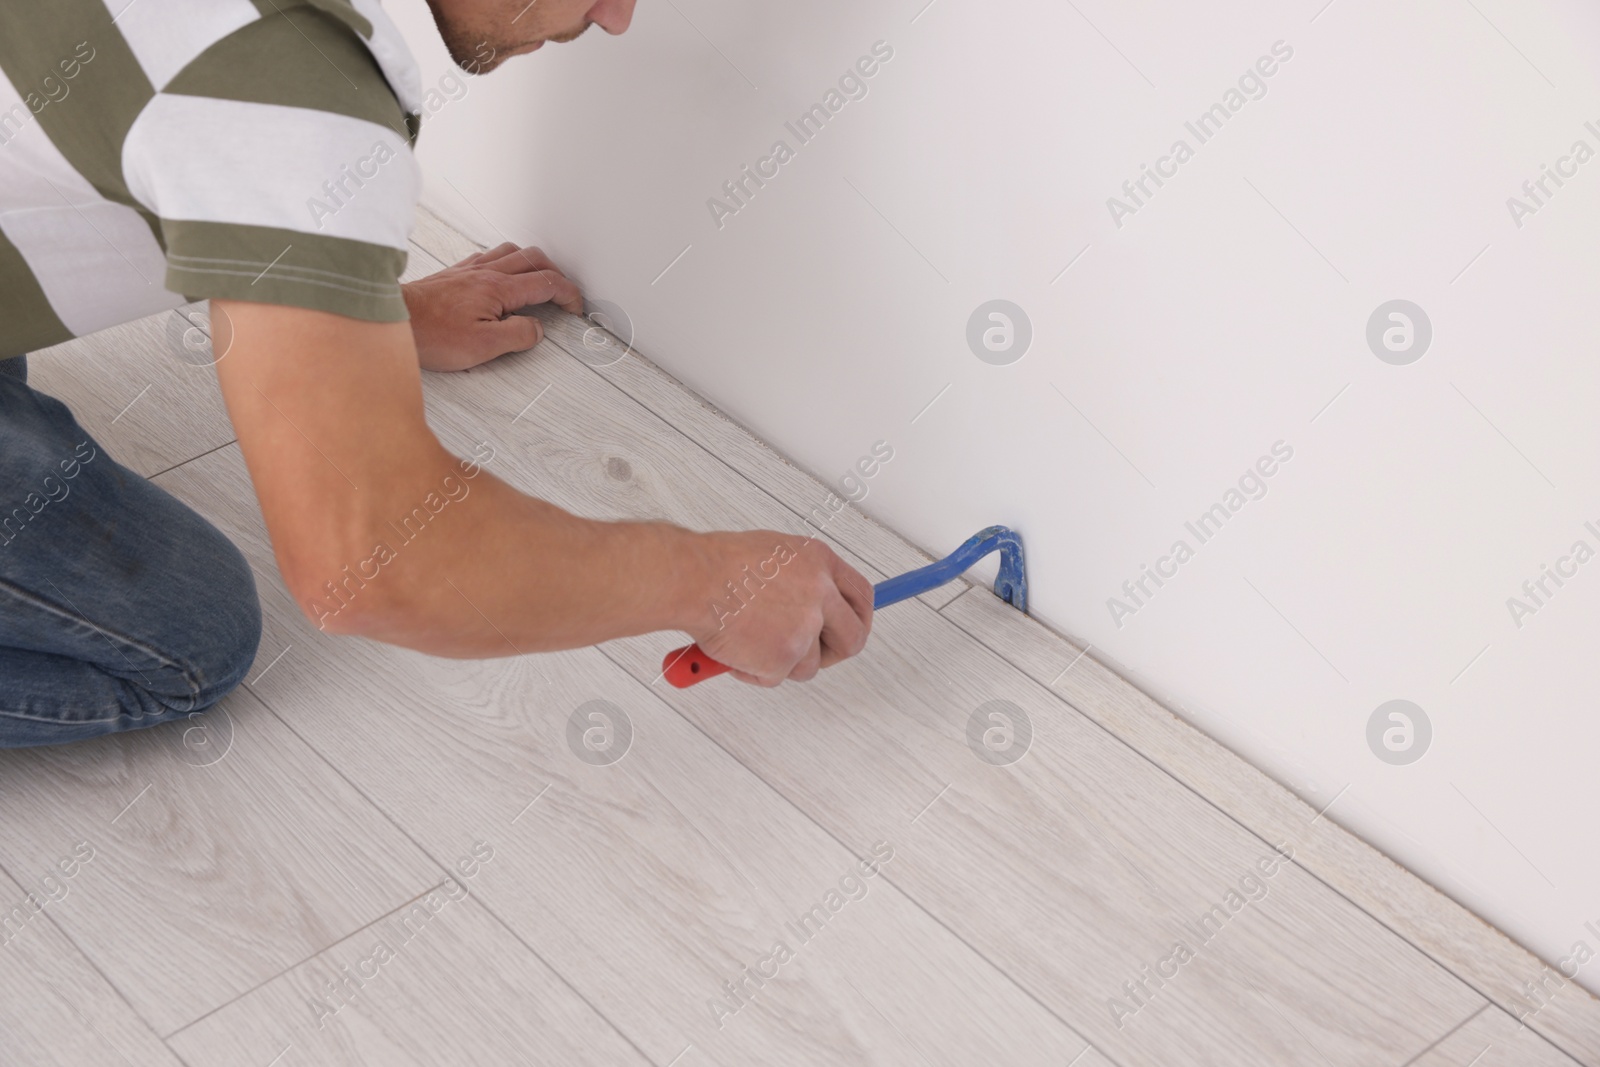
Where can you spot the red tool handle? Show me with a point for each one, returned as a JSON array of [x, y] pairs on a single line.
[[685, 666]]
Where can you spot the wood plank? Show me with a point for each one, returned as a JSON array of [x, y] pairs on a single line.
[[646, 883], [1493, 1039], [1482, 956], [1081, 865], [418, 264], [439, 239], [436, 981], [56, 1010], [145, 389], [218, 862]]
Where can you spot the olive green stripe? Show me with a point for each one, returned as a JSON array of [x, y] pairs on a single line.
[[297, 58], [267, 265], [154, 223], [345, 12], [27, 323], [341, 259], [89, 124], [256, 267], [287, 292]]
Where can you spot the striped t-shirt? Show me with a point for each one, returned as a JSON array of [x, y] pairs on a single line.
[[158, 151]]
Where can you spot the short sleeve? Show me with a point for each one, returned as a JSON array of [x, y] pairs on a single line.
[[278, 165]]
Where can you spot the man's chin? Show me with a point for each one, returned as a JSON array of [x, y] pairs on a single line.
[[484, 66], [572, 35], [523, 50]]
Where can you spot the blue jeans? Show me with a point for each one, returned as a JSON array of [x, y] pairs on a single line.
[[120, 607]]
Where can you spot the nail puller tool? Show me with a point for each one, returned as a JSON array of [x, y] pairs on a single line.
[[689, 665]]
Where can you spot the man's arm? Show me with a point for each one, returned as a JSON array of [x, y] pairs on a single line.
[[329, 415]]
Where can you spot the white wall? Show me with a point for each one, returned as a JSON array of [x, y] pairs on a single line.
[[1227, 314]]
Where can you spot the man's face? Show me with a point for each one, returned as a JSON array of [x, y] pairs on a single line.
[[482, 34]]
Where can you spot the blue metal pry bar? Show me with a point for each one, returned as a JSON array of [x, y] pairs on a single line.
[[689, 665], [1011, 585]]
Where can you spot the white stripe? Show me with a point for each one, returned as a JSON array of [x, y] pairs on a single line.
[[165, 35], [91, 279], [97, 262], [208, 160], [394, 56], [31, 167]]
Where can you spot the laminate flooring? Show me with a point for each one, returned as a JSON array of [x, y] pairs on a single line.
[[371, 856]]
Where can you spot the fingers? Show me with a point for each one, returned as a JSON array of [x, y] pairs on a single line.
[[810, 663], [846, 623], [489, 253], [514, 333], [846, 617], [855, 589], [539, 287], [822, 614], [509, 259], [756, 679], [525, 276], [844, 630]]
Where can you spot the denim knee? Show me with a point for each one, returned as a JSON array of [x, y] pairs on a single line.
[[232, 622]]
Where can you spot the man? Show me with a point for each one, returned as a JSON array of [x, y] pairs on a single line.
[[259, 154]]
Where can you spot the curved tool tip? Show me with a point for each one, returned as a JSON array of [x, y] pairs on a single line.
[[1011, 584]]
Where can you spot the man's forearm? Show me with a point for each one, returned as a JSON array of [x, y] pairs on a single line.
[[472, 568], [379, 531]]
